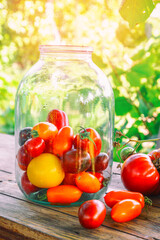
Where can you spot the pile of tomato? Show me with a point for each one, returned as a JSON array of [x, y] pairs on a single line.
[[53, 158]]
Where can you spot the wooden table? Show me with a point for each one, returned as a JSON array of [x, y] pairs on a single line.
[[21, 219]]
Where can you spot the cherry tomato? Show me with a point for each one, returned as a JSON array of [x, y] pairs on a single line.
[[45, 171], [63, 141], [58, 118], [70, 179], [24, 135], [45, 130], [92, 213], [138, 174], [23, 158], [101, 162], [87, 182], [34, 146], [64, 194], [89, 140], [75, 161], [126, 210], [27, 186], [113, 197], [99, 176]]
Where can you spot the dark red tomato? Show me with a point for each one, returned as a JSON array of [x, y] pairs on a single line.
[[75, 161], [27, 186], [154, 155], [89, 140], [58, 118], [24, 135], [101, 162], [70, 179], [92, 213], [126, 210], [48, 146], [34, 147], [138, 174], [63, 141], [99, 176], [23, 158]]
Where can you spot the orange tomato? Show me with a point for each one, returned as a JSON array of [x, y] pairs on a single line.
[[46, 130], [87, 182], [63, 194]]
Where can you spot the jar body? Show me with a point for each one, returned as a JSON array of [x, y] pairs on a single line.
[[77, 91]]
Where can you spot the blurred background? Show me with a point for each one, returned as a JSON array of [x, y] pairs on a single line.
[[130, 57]]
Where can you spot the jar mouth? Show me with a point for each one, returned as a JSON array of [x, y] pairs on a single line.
[[65, 49]]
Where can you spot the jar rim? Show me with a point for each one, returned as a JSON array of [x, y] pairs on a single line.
[[65, 49]]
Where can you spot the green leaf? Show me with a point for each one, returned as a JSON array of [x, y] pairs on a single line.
[[136, 11], [122, 106], [133, 78]]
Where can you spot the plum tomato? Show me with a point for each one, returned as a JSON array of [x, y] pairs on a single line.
[[27, 186], [75, 161], [70, 179], [23, 158], [63, 141], [34, 146], [91, 214], [138, 174], [45, 130], [63, 194], [45, 171], [126, 210], [24, 135], [87, 182], [89, 140], [99, 176], [100, 162], [58, 118]]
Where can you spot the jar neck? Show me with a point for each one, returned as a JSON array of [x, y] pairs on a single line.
[[66, 52]]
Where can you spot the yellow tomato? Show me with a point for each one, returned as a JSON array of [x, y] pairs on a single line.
[[45, 171]]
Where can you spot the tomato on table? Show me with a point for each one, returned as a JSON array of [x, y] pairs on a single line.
[[63, 141], [126, 210], [34, 146], [23, 158], [58, 118], [91, 214], [138, 174], [45, 130], [89, 140], [27, 186]]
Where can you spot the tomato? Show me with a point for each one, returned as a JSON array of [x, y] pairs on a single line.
[[101, 162], [126, 210], [45, 171], [87, 182], [92, 213], [24, 135], [64, 194], [75, 161], [34, 146], [58, 118], [89, 140], [154, 155], [63, 141], [23, 158], [70, 179], [138, 174], [45, 130], [27, 186], [113, 197], [99, 176]]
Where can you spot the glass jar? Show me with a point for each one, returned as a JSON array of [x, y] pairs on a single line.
[[64, 119]]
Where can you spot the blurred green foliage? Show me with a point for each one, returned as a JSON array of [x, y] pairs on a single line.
[[129, 57]]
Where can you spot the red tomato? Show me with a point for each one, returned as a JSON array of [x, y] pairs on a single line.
[[45, 130], [113, 197], [23, 158], [69, 179], [100, 162], [89, 140], [99, 176], [92, 214], [34, 146], [63, 141], [138, 174], [63, 194], [126, 210], [27, 186], [87, 182], [58, 118], [154, 155]]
